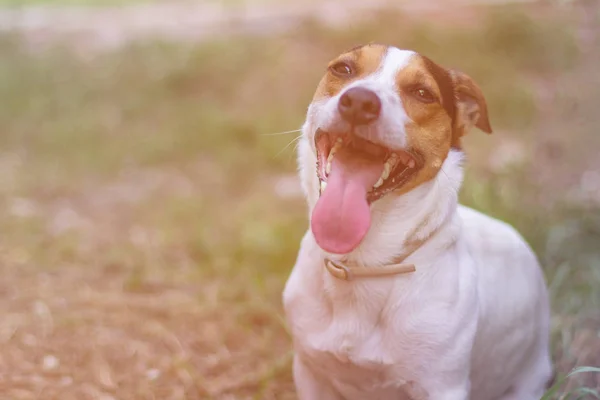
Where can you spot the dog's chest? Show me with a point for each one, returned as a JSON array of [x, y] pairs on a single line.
[[353, 331], [346, 342], [354, 362], [358, 354]]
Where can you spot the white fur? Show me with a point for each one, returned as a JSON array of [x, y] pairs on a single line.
[[389, 128], [471, 323]]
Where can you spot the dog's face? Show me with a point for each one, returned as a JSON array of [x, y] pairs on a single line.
[[381, 123]]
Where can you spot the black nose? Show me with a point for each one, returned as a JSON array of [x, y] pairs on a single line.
[[359, 106]]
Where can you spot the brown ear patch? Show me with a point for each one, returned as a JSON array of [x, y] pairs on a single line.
[[471, 107], [364, 60], [420, 72], [429, 132], [445, 86]]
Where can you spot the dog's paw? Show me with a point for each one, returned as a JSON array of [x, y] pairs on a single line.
[[414, 391]]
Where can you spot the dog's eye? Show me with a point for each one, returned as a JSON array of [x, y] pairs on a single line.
[[341, 69], [424, 95]]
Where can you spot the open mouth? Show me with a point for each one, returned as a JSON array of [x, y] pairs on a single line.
[[353, 173], [398, 165]]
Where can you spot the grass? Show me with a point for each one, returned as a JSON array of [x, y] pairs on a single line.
[[53, 3], [109, 3], [581, 392], [152, 222]]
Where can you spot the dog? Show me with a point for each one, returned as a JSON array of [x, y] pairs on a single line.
[[398, 291]]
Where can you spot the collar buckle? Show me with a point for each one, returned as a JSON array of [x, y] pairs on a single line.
[[338, 270]]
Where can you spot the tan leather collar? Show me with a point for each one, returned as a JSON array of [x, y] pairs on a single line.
[[340, 271], [343, 272]]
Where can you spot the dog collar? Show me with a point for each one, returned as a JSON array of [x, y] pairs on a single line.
[[341, 271]]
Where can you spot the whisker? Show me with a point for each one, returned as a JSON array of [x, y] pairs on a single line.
[[288, 145], [448, 179], [295, 149], [280, 133]]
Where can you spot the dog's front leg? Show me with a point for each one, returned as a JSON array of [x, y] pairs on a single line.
[[309, 386], [457, 392]]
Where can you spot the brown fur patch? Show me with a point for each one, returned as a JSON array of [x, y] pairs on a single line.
[[430, 132], [471, 107], [363, 60]]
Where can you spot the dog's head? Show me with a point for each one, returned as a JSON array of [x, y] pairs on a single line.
[[381, 123]]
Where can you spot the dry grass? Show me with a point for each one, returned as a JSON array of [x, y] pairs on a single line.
[[149, 226], [76, 334]]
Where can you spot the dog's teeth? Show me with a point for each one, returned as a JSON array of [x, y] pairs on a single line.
[[392, 161], [379, 183], [323, 186], [329, 160], [387, 168], [334, 149]]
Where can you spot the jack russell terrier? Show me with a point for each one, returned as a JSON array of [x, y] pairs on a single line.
[[398, 291]]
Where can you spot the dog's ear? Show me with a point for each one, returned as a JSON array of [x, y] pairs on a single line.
[[471, 108]]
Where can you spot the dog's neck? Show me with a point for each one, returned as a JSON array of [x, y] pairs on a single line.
[[397, 221]]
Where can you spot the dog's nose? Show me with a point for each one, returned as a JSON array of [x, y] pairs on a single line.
[[359, 106]]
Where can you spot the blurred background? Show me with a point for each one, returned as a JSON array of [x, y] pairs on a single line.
[[150, 217]]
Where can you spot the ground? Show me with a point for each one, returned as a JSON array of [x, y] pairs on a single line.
[[151, 215]]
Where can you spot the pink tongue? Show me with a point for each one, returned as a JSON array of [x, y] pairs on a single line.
[[341, 217]]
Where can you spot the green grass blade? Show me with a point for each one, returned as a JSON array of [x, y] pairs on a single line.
[[579, 370], [554, 388]]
